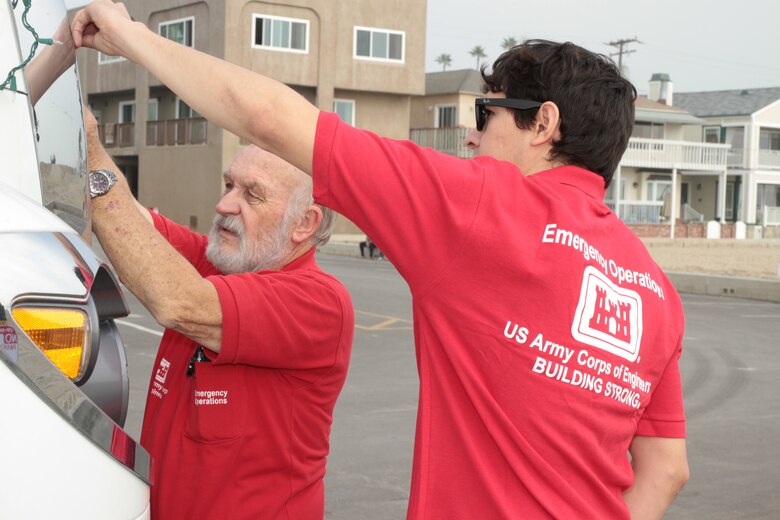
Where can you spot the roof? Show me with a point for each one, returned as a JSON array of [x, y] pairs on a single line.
[[453, 81], [727, 102], [649, 111]]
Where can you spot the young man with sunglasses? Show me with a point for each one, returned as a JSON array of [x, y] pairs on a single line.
[[547, 339]]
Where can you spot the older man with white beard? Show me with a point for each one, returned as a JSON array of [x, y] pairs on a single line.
[[256, 345]]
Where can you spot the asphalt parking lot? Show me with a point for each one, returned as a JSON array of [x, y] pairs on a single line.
[[730, 365]]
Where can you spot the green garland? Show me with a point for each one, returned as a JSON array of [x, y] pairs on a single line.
[[10, 80]]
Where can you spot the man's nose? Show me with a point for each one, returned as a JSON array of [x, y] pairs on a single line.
[[472, 139], [228, 204]]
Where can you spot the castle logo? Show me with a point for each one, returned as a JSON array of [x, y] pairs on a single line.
[[608, 316]]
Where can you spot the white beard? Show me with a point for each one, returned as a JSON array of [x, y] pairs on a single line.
[[266, 252]]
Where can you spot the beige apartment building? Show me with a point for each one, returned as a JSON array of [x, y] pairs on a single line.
[[363, 59]]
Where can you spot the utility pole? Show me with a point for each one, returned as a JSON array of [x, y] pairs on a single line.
[[620, 45]]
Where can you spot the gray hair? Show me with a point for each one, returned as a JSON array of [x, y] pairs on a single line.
[[300, 200]]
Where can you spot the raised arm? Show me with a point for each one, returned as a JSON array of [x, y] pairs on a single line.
[[176, 295], [259, 109], [660, 472]]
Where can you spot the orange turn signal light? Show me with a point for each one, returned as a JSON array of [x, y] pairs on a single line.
[[62, 334]]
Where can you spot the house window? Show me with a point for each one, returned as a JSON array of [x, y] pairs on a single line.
[[446, 116], [769, 139], [735, 136], [656, 190], [179, 31], [154, 110], [379, 44], [712, 134], [648, 130], [345, 108], [282, 34], [184, 111], [126, 112], [105, 58], [609, 196]]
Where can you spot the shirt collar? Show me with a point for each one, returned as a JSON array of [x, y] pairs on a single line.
[[584, 180]]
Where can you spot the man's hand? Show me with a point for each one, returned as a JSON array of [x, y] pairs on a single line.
[[102, 25]]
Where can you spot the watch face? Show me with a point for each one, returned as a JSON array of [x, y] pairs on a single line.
[[98, 182]]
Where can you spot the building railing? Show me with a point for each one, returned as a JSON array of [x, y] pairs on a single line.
[[638, 211], [172, 132], [117, 135], [661, 153], [688, 214], [770, 216], [448, 140], [769, 158]]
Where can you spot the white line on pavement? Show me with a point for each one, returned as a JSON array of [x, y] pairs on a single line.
[[140, 327]]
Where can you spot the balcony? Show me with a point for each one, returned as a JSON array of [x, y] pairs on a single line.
[[175, 132], [663, 154], [638, 211], [448, 140], [117, 135], [769, 159]]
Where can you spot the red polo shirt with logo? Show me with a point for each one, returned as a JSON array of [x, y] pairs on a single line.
[[546, 336], [246, 434]]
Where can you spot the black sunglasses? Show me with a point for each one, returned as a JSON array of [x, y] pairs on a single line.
[[517, 104]]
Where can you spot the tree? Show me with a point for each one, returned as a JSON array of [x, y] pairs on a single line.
[[445, 60], [479, 53], [508, 43]]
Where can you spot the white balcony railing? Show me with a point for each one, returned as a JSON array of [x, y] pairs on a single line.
[[770, 216], [638, 211], [170, 132], [660, 153], [769, 158], [447, 140]]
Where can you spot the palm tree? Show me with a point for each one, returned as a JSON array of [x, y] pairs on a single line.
[[479, 53], [445, 60], [508, 43]]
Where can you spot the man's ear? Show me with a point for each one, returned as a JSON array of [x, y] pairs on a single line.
[[307, 225], [548, 124]]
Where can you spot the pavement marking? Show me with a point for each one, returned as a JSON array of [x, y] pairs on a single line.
[[760, 316], [385, 324], [140, 327]]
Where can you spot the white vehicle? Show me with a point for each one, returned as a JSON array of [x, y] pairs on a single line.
[[63, 372]]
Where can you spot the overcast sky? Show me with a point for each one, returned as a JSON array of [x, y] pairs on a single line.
[[702, 45]]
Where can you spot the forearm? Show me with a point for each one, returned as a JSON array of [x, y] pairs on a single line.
[[660, 472], [166, 284], [259, 109]]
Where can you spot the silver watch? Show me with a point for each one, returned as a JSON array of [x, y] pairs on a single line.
[[100, 181]]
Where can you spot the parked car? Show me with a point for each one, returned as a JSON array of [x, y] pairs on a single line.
[[63, 371]]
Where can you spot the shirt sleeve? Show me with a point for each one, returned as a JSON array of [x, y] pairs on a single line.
[[416, 204], [282, 320], [189, 244], [664, 415]]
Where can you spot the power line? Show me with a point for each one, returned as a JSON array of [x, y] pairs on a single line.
[[620, 45]]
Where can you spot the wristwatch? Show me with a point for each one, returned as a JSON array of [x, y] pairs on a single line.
[[100, 181]]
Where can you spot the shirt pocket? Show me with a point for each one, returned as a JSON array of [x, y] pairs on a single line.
[[217, 407]]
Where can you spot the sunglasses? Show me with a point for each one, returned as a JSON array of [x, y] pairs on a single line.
[[516, 104]]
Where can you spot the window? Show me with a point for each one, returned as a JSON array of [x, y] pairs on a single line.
[[179, 31], [184, 111], [656, 190], [648, 130], [735, 136], [610, 193], [154, 110], [446, 116], [711, 134], [126, 112], [282, 34], [379, 44], [345, 108], [769, 139], [105, 58]]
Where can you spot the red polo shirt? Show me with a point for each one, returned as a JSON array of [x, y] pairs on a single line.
[[546, 336], [246, 435]]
